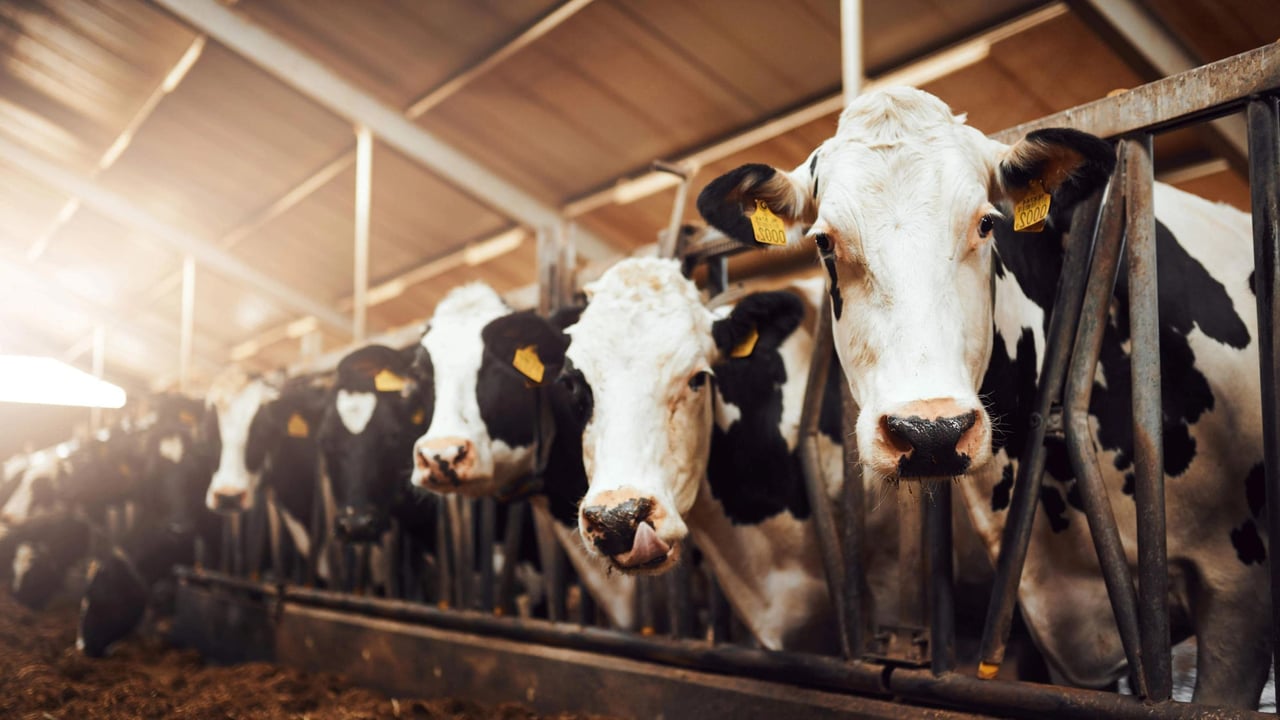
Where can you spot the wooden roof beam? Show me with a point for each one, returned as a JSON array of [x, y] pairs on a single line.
[[344, 99]]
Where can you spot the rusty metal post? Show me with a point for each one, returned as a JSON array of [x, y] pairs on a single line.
[[811, 463], [488, 533], [1148, 440], [445, 556], [942, 606], [510, 554], [1264, 184], [853, 512], [1026, 491], [1084, 457]]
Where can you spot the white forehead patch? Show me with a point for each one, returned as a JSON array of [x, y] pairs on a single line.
[[355, 409], [23, 558], [171, 449]]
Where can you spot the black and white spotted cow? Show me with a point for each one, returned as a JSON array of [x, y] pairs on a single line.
[[233, 401], [374, 413], [690, 425], [488, 417], [176, 467], [940, 313]]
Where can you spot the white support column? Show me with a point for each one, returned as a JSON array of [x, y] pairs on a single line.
[[188, 323], [851, 48], [364, 192], [99, 367]]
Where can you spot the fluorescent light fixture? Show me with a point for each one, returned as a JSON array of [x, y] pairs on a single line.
[[46, 381]]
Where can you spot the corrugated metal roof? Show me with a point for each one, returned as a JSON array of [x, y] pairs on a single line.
[[615, 86]]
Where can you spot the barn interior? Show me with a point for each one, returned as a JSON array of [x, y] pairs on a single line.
[[143, 161]]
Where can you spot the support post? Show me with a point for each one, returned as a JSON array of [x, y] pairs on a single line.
[[1148, 440], [851, 47], [364, 191], [99, 367], [1264, 157], [188, 323]]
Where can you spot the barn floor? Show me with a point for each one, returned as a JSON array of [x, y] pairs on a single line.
[[43, 677]]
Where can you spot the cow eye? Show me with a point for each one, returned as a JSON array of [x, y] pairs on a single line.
[[986, 225], [699, 379], [823, 241]]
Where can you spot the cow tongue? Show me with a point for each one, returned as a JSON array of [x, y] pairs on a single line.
[[645, 548]]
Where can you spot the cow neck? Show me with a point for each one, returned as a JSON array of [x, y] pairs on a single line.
[[544, 430]]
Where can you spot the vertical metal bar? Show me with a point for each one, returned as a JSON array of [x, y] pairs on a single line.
[[644, 598], [669, 239], [717, 274], [853, 532], [185, 344], [811, 464], [1026, 491], [942, 627], [566, 264], [510, 557], [912, 602], [552, 557], [546, 249], [488, 531], [1148, 440], [851, 47], [587, 611], [99, 361], [364, 196], [1264, 184], [678, 601], [719, 613], [444, 553], [1084, 457]]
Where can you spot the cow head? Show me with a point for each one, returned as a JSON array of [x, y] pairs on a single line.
[[638, 371], [374, 413], [37, 492], [232, 407], [480, 438], [901, 204], [176, 466]]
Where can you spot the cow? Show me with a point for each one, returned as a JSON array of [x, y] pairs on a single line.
[[371, 418], [689, 420], [234, 399], [490, 371], [940, 312], [176, 469]]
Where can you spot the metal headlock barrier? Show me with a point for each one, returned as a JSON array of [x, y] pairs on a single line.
[[683, 642]]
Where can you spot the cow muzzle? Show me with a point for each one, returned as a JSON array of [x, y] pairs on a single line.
[[229, 501], [932, 438], [624, 527], [444, 463], [359, 527]]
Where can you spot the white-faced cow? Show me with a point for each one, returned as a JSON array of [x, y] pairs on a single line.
[[690, 425], [940, 315], [234, 399], [489, 417]]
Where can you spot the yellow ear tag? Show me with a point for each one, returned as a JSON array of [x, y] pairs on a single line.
[[1030, 213], [186, 418], [747, 346], [298, 427], [528, 363], [419, 416], [387, 381], [769, 228]]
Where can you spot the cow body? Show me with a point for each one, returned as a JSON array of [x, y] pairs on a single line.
[[487, 421], [714, 460], [940, 313]]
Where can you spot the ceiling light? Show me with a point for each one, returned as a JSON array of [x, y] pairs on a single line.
[[46, 381]]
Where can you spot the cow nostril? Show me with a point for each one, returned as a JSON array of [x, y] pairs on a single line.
[[420, 458], [894, 432]]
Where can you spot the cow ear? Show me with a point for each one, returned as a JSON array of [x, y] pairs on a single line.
[[760, 321], [523, 330], [730, 202], [1067, 164]]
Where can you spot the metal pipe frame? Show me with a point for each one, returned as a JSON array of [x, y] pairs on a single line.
[[1016, 536], [853, 516], [942, 606], [1084, 457], [1148, 430], [1025, 700], [1264, 183]]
